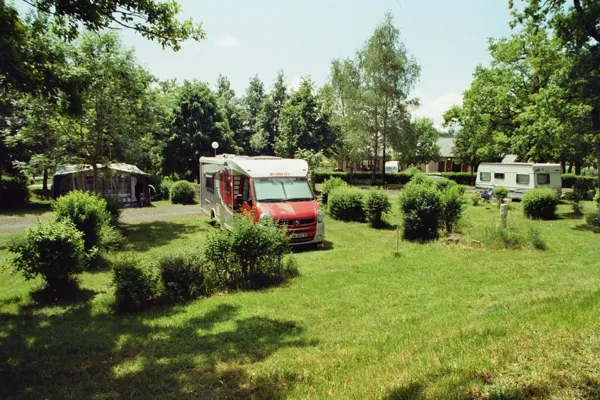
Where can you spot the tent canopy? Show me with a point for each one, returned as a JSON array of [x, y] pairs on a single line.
[[73, 169]]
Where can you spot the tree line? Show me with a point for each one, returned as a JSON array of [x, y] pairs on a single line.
[[101, 106]]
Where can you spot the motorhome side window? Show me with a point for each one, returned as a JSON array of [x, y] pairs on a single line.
[[522, 179], [209, 182], [543, 179], [498, 176], [485, 176]]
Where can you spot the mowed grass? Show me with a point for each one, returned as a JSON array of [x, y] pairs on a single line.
[[361, 322]]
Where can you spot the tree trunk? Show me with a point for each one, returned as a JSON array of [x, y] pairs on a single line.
[[45, 180], [563, 165], [95, 169], [596, 130], [577, 167], [570, 167]]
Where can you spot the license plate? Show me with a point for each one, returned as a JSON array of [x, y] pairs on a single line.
[[298, 235]]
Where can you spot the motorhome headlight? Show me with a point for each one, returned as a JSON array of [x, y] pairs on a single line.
[[265, 218], [319, 216]]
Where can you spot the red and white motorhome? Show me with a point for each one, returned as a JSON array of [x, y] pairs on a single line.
[[268, 188]]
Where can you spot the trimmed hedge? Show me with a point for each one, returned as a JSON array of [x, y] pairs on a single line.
[[540, 204], [589, 182], [346, 204], [398, 178]]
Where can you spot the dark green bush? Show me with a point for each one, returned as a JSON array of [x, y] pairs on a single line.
[[333, 183], [53, 250], [13, 192], [540, 203], [183, 192], [135, 287], [376, 205], [113, 206], [165, 188], [346, 204], [110, 238], [87, 211], [568, 181], [182, 276], [398, 178], [250, 256], [421, 208], [453, 202], [500, 193]]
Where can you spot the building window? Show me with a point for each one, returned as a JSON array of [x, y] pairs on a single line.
[[522, 179], [209, 182], [485, 176], [543, 179], [498, 176]]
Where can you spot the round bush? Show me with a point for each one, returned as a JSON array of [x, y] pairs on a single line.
[[453, 202], [135, 288], [540, 204], [183, 192], [346, 204], [376, 204], [54, 251], [421, 208], [165, 188], [182, 276], [87, 211], [333, 183]]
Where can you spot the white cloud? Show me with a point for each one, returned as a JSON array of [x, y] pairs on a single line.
[[294, 82], [227, 41], [436, 107]]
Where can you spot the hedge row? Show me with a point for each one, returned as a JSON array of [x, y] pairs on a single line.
[[463, 178]]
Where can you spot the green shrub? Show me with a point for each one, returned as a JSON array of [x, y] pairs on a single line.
[[421, 208], [497, 237], [164, 188], [110, 238], [568, 181], [377, 203], [13, 192], [53, 250], [251, 255], [87, 211], [540, 203], [500, 193], [453, 202], [135, 287], [534, 238], [401, 178], [580, 190], [183, 192], [333, 183], [421, 179], [182, 276], [113, 206], [346, 204], [475, 199], [597, 197]]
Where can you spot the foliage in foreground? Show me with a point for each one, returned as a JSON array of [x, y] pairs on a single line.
[[135, 287], [346, 204], [376, 204], [54, 251], [421, 208], [330, 184], [87, 211], [540, 204], [250, 256], [13, 192], [183, 276], [183, 192]]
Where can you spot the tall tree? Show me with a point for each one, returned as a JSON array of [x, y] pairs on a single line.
[[305, 124], [267, 127], [418, 143], [198, 121], [253, 103], [235, 111]]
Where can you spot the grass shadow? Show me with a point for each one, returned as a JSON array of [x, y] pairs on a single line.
[[385, 226], [27, 209], [146, 235], [89, 355], [68, 295], [587, 228], [411, 391], [570, 215]]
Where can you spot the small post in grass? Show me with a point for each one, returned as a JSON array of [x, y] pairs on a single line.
[[397, 241], [503, 214]]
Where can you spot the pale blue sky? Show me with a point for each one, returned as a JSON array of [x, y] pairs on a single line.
[[447, 37]]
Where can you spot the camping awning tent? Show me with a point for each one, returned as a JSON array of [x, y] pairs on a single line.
[[125, 182]]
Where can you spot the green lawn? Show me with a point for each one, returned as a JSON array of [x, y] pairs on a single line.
[[434, 321]]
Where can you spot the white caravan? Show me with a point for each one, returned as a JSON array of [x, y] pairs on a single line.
[[392, 166], [518, 178], [268, 188]]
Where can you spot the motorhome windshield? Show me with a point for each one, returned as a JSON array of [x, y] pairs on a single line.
[[282, 189]]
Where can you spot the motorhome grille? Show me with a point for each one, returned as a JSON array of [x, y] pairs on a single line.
[[300, 221]]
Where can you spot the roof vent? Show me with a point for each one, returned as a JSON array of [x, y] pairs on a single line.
[[509, 159]]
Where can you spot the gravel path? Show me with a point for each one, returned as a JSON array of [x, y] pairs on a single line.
[[14, 224]]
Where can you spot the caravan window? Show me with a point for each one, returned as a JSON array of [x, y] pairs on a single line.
[[522, 179], [485, 176], [498, 176], [543, 179], [209, 182]]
